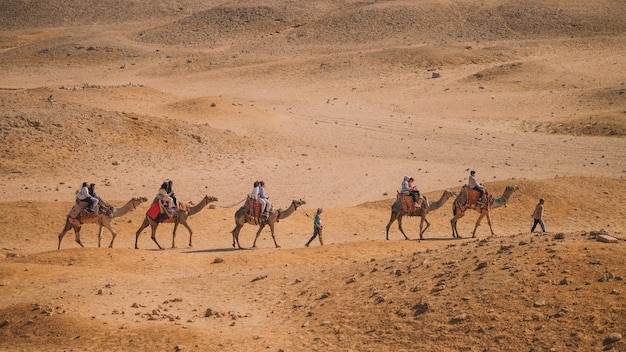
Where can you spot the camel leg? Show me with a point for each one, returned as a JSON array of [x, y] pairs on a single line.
[[489, 223], [235, 233], [67, 227], [174, 234], [482, 215], [453, 222], [190, 232], [485, 214], [100, 229], [77, 232], [274, 237], [141, 228], [154, 227], [400, 228], [393, 218], [112, 231], [261, 226], [424, 220]]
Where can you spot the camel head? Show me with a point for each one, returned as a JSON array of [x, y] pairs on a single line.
[[450, 193], [138, 200], [210, 199], [298, 203]]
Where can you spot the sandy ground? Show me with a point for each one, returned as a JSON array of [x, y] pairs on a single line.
[[333, 103]]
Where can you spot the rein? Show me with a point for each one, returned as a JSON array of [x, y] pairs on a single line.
[[232, 205]]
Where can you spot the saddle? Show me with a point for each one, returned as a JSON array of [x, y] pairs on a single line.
[[255, 207], [473, 197], [408, 206], [154, 213], [79, 210]]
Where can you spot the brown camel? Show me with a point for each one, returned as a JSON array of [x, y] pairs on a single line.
[[78, 217], [397, 212], [179, 218], [461, 204], [242, 216]]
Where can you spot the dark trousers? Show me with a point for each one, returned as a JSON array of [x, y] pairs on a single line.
[[537, 221], [316, 232]]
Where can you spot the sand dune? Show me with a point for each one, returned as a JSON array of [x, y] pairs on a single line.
[[330, 102]]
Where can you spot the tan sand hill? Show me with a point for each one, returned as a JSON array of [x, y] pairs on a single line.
[[332, 102]]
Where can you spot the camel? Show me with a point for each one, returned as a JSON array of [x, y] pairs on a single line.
[[77, 217], [180, 218], [397, 212], [242, 216], [461, 204]]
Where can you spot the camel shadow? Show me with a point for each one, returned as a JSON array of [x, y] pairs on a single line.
[[442, 239], [215, 250]]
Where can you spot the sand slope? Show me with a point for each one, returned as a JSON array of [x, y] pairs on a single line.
[[330, 102]]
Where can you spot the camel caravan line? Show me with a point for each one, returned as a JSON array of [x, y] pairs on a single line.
[[251, 213]]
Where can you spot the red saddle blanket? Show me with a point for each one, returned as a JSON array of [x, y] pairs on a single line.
[[408, 205], [154, 210], [255, 207], [473, 196]]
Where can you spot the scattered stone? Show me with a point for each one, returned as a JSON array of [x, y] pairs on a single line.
[[615, 292], [351, 280], [380, 299], [606, 239], [259, 278], [607, 277], [305, 324], [459, 318], [325, 295], [481, 265], [4, 323], [539, 303], [614, 337], [179, 348], [218, 260], [559, 236]]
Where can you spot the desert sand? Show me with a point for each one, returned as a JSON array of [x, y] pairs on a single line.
[[331, 102]]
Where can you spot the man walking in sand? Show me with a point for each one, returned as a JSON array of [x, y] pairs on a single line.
[[317, 228], [538, 216]]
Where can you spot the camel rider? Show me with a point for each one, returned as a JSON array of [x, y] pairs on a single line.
[[171, 193], [165, 201], [473, 184], [255, 191], [264, 198], [85, 196], [408, 189], [92, 191]]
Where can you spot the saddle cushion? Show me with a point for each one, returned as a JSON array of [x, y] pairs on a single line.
[[154, 210], [255, 208]]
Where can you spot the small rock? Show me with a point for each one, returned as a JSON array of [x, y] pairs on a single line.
[[179, 348], [218, 260], [305, 324], [539, 303], [325, 295], [559, 236], [481, 265], [614, 337], [459, 318]]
